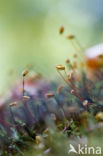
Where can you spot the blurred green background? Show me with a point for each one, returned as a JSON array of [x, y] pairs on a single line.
[[29, 33]]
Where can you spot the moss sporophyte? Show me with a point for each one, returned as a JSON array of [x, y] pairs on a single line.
[[45, 113]]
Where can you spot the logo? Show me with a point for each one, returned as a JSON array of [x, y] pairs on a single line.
[[84, 149]]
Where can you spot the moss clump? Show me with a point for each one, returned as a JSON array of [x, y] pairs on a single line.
[[42, 117]]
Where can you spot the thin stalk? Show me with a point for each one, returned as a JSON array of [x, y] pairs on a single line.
[[23, 85], [76, 94]]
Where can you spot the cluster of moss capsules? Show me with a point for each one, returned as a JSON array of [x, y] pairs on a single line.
[[35, 104]]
